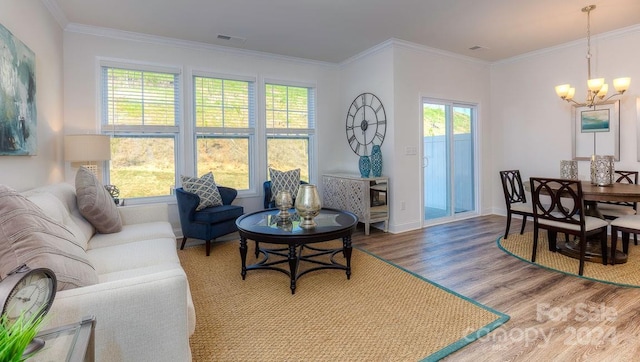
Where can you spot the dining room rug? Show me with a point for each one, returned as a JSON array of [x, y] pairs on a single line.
[[625, 274], [383, 313]]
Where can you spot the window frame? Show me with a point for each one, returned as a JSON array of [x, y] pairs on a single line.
[[251, 133], [308, 133], [175, 131]]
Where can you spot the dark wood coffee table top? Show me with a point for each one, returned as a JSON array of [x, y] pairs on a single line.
[[265, 226]]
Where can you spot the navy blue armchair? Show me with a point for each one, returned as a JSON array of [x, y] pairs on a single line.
[[208, 223]]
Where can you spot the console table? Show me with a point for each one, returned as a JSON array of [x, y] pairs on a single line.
[[366, 197]]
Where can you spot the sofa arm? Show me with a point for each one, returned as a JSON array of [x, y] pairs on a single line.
[[138, 214], [142, 318]]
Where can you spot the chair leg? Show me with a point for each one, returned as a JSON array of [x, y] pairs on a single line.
[[524, 223], [535, 244], [625, 243], [635, 239], [184, 240], [614, 244], [506, 232], [553, 237], [583, 249], [603, 247], [208, 246]]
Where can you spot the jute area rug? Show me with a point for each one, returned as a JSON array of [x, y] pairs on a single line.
[[625, 274], [383, 313]]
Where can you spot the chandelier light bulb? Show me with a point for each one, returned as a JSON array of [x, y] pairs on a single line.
[[621, 84], [603, 91], [595, 84], [570, 94], [562, 90]]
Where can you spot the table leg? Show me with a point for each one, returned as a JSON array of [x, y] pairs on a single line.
[[591, 209], [293, 267], [243, 256], [346, 249]]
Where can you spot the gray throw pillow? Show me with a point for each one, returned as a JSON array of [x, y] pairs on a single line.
[[28, 236], [96, 204], [205, 187]]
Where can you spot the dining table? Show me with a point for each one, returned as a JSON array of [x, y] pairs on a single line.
[[591, 194]]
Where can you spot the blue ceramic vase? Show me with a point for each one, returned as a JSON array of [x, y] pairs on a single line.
[[376, 161], [365, 166]]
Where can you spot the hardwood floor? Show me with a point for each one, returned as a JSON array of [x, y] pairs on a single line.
[[553, 316]]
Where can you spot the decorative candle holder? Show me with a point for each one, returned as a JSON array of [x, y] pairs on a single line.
[[283, 202], [569, 169], [602, 170], [308, 205]]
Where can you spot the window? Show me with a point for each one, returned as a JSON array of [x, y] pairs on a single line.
[[141, 111], [290, 127], [225, 127]]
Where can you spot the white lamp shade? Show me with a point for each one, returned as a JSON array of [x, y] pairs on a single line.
[[621, 84], [87, 147], [562, 90], [595, 84]]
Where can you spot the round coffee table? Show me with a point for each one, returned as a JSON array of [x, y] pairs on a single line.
[[267, 227]]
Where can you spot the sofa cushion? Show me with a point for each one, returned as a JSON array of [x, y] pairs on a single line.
[[96, 204], [28, 236], [133, 232], [206, 189], [133, 255], [284, 180]]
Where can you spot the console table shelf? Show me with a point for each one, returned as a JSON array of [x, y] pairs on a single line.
[[366, 197]]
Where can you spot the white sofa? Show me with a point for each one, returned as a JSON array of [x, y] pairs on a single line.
[[141, 303]]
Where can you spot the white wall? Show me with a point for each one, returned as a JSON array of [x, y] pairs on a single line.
[[32, 23], [421, 72], [84, 47], [532, 126]]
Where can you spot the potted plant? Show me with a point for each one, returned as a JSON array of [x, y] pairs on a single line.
[[15, 337]]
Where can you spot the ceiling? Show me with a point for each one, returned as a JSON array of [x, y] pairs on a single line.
[[336, 30]]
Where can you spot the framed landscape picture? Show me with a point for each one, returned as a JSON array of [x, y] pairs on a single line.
[[18, 121], [595, 120], [596, 131]]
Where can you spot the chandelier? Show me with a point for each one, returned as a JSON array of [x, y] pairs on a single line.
[[597, 88]]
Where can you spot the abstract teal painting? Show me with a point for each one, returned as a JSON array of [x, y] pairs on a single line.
[[18, 121], [595, 120]]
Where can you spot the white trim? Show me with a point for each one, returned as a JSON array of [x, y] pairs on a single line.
[[571, 44], [226, 76], [393, 42], [159, 40], [138, 65], [56, 12]]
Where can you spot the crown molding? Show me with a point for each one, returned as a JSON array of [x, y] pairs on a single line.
[[56, 12], [394, 42], [159, 40], [609, 35]]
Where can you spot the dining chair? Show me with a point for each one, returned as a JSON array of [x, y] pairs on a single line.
[[615, 209], [565, 213], [515, 198]]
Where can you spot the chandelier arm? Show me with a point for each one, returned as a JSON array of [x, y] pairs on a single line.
[[576, 103]]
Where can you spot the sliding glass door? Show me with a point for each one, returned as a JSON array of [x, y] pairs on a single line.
[[449, 162]]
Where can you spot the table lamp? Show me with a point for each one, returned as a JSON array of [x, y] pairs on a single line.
[[87, 149]]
